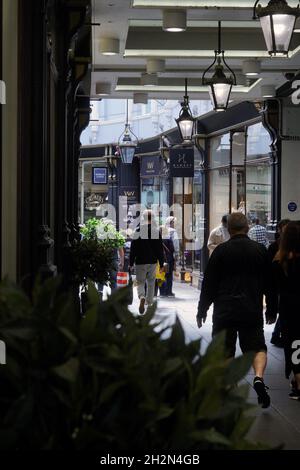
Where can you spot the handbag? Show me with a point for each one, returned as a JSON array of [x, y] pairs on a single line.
[[160, 276]]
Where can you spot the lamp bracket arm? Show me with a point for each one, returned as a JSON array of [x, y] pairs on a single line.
[[255, 17], [229, 68], [210, 67]]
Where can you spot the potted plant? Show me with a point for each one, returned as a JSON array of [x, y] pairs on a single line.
[[93, 257], [111, 381]]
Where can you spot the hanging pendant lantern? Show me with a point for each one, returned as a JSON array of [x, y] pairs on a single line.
[[220, 84], [278, 21], [186, 121], [128, 143]]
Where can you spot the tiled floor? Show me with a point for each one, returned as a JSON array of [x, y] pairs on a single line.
[[280, 424]]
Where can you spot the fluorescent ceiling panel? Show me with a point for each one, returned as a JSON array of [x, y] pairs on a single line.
[[162, 53], [179, 89], [196, 24]]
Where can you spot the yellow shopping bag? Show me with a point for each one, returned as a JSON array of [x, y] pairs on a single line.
[[160, 275]]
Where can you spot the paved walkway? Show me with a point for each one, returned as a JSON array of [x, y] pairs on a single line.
[[280, 424]]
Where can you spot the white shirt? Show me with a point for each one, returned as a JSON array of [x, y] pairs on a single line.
[[218, 235]]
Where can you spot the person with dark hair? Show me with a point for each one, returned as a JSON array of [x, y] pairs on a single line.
[[236, 280], [272, 251], [146, 252], [286, 299], [258, 233], [166, 290], [218, 235]]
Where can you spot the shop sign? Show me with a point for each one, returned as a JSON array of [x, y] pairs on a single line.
[[292, 206], [99, 175], [131, 193], [151, 166], [182, 163]]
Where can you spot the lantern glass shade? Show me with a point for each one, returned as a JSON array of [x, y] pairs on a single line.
[[127, 152], [278, 30], [127, 148], [185, 124], [219, 95]]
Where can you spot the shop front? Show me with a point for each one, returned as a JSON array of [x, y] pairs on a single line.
[[240, 175], [155, 189]]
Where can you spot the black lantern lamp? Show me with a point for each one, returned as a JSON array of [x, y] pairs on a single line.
[[220, 84], [277, 20], [186, 121], [128, 143]]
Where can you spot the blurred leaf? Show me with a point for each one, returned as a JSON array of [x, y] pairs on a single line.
[[68, 371], [211, 436], [238, 368], [89, 324]]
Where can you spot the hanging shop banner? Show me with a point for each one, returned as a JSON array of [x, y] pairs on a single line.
[[182, 163], [151, 166]]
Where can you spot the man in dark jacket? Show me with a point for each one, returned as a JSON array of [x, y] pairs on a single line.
[[236, 280], [146, 251]]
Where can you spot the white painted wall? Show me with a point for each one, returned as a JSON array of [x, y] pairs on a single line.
[[9, 139], [290, 178]]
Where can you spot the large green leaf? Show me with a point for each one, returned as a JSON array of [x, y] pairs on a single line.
[[68, 371], [238, 368], [211, 436], [89, 324]]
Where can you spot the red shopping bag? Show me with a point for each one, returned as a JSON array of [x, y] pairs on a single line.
[[122, 279]]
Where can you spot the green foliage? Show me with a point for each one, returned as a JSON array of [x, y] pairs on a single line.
[[103, 231], [89, 230], [112, 381], [94, 256], [91, 260]]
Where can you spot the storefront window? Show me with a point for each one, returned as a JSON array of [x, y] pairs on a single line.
[[93, 198], [220, 151], [238, 189], [238, 148], [219, 185], [259, 193], [238, 193], [258, 175], [154, 195], [183, 199], [258, 142]]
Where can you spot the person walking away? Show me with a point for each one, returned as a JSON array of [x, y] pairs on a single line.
[[173, 235], [166, 289], [286, 300], [258, 233], [218, 235], [145, 252], [236, 280], [276, 338]]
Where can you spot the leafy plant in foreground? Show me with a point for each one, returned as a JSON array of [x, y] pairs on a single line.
[[112, 380]]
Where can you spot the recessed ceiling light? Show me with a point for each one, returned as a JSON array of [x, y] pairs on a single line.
[[103, 88], [109, 46], [149, 80], [251, 68], [155, 66], [268, 91], [174, 21]]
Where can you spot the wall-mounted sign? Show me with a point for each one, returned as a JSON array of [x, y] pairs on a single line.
[[182, 163], [292, 206], [99, 175], [131, 192], [151, 166]]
